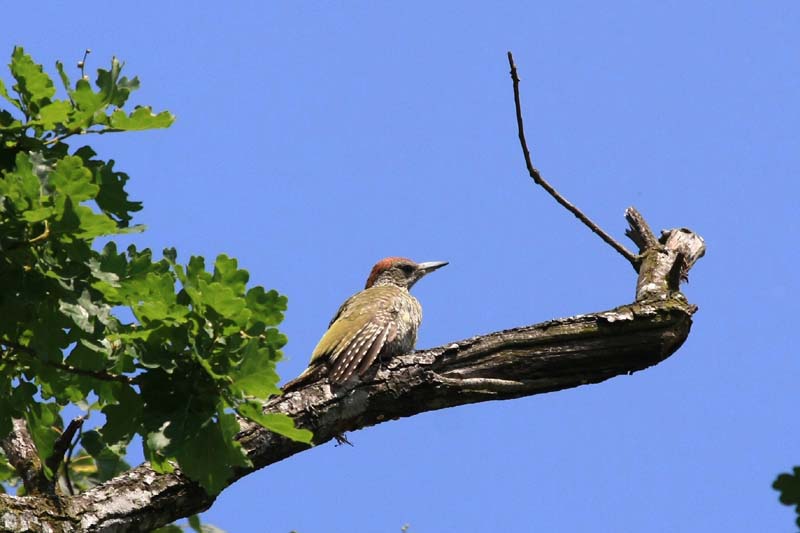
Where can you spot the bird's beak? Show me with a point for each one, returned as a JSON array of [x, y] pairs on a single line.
[[430, 266]]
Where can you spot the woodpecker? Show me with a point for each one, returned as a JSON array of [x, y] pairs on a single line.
[[379, 322]]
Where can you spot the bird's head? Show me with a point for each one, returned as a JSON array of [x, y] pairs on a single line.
[[400, 272]]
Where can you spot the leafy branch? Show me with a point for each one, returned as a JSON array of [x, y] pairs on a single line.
[[103, 376], [197, 347]]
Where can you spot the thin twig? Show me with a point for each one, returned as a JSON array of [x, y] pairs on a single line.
[[19, 244], [68, 460], [97, 374], [537, 178], [67, 464], [63, 443], [82, 63], [45, 234], [60, 138], [67, 480]]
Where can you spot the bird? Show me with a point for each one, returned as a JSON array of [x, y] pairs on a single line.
[[379, 322]]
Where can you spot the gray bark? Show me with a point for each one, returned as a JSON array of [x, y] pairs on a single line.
[[21, 453]]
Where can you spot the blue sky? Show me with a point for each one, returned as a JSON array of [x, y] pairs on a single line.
[[313, 138]]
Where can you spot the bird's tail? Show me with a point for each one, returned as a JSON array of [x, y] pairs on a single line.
[[310, 375]]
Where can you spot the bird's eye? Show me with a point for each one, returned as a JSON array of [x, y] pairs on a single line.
[[407, 269]]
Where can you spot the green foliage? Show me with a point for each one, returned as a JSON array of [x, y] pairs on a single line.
[[789, 487], [7, 472], [202, 345]]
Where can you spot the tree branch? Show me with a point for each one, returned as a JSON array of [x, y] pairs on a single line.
[[546, 357], [665, 262], [96, 374], [22, 455], [539, 180], [62, 444]]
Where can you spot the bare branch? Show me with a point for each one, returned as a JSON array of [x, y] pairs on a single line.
[[63, 443], [554, 355], [539, 180], [524, 361]]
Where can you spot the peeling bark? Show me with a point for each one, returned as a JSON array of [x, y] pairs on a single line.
[[524, 361]]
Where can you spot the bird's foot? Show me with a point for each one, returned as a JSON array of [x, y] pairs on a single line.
[[341, 439]]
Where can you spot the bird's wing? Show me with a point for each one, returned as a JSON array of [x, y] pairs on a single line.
[[362, 351], [363, 325]]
